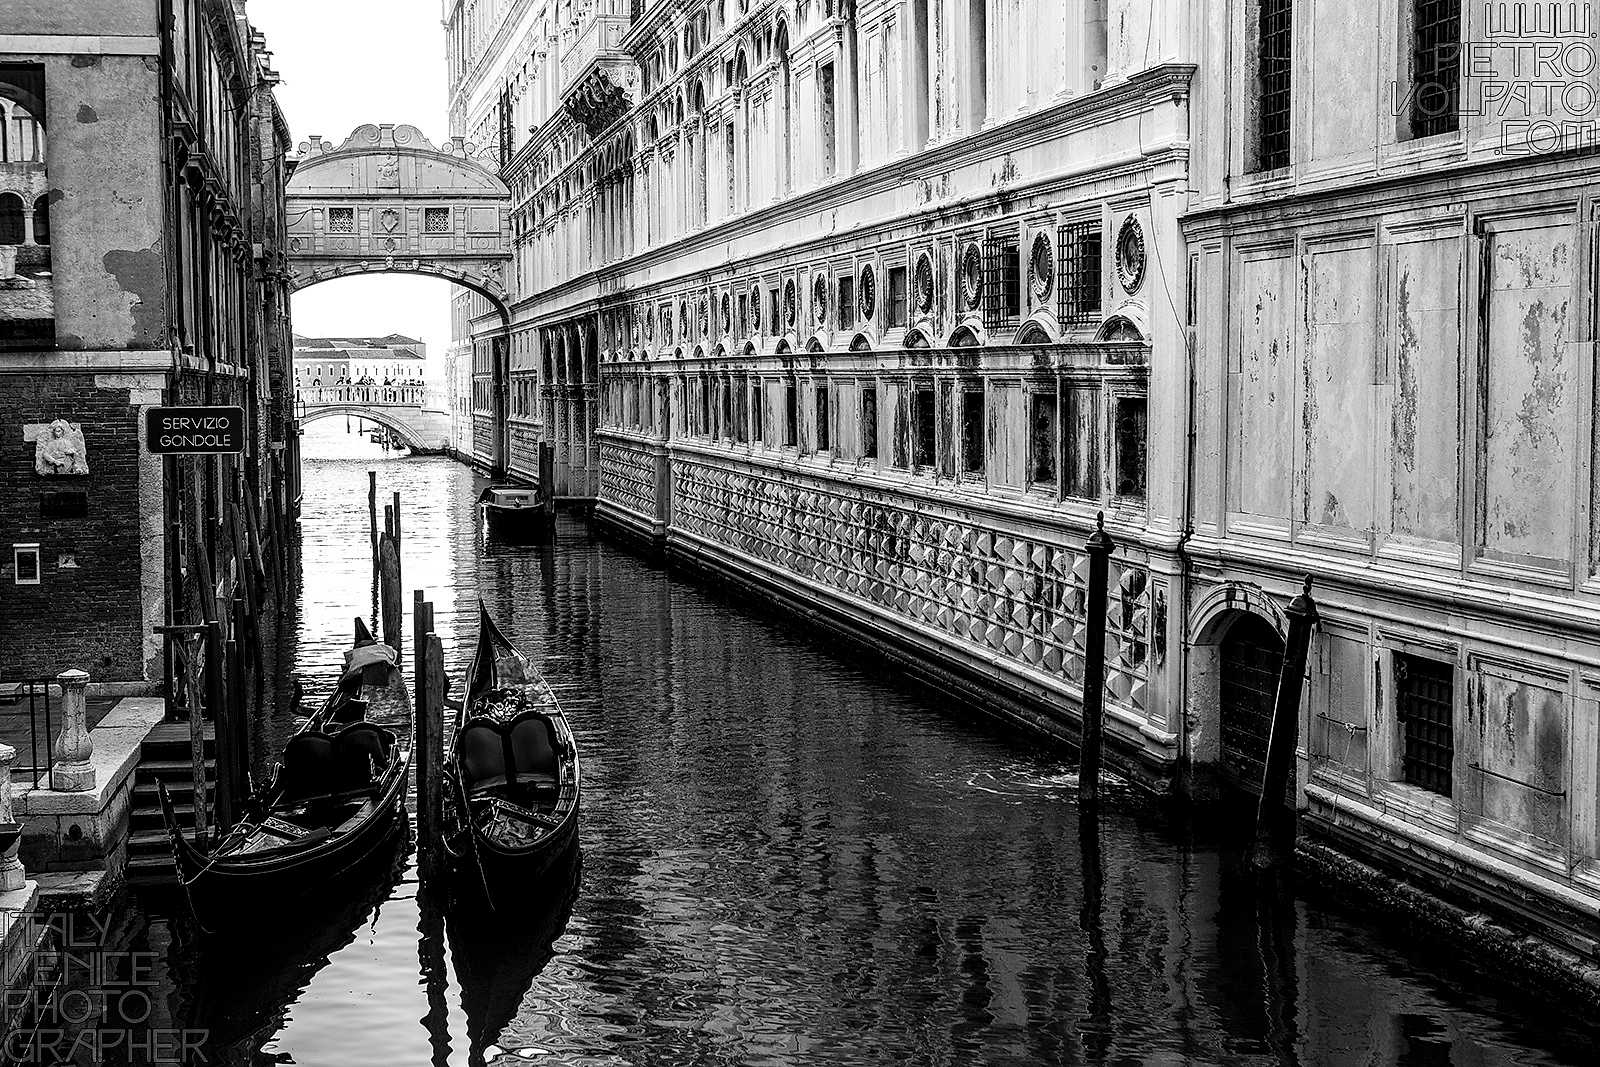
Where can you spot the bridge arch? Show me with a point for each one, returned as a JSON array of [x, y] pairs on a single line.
[[414, 437]]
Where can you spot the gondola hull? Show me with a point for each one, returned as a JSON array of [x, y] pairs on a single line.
[[512, 775], [225, 891], [475, 860], [511, 523]]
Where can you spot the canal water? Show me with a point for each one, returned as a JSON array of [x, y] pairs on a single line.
[[791, 856]]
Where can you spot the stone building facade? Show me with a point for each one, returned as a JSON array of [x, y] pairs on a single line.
[[873, 306], [158, 154], [865, 306], [1392, 256]]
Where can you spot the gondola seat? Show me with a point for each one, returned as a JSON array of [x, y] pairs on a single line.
[[533, 752], [362, 750], [308, 766], [482, 752]]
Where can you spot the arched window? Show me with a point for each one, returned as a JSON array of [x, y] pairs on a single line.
[[785, 153], [41, 221], [11, 229]]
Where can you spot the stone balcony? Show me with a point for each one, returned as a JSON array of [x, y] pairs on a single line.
[[597, 76]]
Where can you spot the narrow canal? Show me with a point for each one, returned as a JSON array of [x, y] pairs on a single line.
[[791, 857]]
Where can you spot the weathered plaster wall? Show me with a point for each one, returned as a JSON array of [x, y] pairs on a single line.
[[105, 173]]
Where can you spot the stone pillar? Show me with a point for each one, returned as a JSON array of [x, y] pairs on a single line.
[[71, 771], [12, 876]]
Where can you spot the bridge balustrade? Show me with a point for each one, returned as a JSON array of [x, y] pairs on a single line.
[[362, 395]]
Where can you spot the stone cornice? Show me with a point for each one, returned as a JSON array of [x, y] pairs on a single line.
[[1122, 100]]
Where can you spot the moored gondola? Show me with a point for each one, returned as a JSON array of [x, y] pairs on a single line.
[[336, 797], [515, 513], [511, 776]]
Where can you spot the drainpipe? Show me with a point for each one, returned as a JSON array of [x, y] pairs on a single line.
[[1185, 568]]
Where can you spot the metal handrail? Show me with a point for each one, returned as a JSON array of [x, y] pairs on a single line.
[[36, 692]]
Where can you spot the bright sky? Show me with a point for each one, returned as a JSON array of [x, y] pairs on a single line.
[[344, 63]]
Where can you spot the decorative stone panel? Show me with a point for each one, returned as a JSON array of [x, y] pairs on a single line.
[[1018, 597], [628, 478]]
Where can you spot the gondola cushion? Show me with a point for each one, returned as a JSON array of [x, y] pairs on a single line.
[[483, 756], [533, 751]]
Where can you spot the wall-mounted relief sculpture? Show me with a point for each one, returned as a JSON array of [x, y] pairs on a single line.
[[58, 448]]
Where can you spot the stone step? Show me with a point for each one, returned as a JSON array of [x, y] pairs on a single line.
[[180, 789], [149, 817], [171, 771], [170, 741], [151, 870]]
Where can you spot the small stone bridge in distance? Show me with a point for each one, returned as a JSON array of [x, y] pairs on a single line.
[[394, 407]]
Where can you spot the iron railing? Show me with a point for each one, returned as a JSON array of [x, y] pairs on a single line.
[[26, 706]]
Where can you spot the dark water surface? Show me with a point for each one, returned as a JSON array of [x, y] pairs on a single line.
[[790, 857]]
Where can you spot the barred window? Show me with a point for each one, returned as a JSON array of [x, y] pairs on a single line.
[[1081, 280], [1132, 419], [895, 307], [1274, 58], [1002, 282], [972, 431], [1435, 66], [869, 422], [824, 420], [435, 220], [1425, 705], [341, 220], [922, 427]]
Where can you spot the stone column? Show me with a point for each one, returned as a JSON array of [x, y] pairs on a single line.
[[71, 771], [12, 876]]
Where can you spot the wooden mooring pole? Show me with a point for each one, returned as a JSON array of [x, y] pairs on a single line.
[[389, 590], [189, 643], [1272, 846], [428, 743], [547, 478], [1099, 548]]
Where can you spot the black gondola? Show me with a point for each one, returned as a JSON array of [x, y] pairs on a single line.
[[335, 798], [514, 513], [511, 788]]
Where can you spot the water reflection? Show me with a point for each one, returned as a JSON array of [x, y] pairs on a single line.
[[790, 857]]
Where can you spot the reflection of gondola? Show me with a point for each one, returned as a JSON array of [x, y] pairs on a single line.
[[512, 772], [333, 800], [497, 955], [235, 1009]]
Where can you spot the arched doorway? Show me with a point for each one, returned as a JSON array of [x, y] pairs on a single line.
[[1251, 658]]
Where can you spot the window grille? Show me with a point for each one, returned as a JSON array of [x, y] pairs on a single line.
[[1002, 282], [341, 220], [895, 307], [869, 422], [824, 428], [972, 432], [1132, 417], [922, 427], [1424, 704], [1274, 53], [1435, 66], [791, 415], [1081, 279], [435, 220]]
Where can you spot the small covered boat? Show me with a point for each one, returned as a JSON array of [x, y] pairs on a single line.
[[517, 513], [511, 776], [336, 797]]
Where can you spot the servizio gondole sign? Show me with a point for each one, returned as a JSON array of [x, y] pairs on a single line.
[[194, 431]]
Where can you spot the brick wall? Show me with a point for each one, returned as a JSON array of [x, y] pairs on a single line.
[[88, 616]]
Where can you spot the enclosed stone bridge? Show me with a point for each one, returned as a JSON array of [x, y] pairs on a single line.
[[388, 201], [396, 408]]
